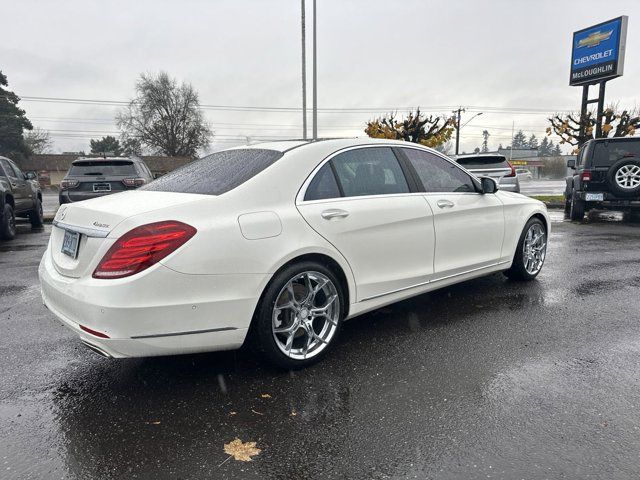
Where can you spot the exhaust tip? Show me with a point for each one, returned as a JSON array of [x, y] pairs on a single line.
[[96, 349]]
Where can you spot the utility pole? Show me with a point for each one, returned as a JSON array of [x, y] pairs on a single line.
[[304, 73], [315, 78], [459, 111]]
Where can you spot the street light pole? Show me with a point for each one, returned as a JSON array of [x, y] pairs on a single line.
[[459, 111], [458, 126], [304, 73], [315, 78]]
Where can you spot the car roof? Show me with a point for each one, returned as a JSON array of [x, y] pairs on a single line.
[[328, 143], [616, 139]]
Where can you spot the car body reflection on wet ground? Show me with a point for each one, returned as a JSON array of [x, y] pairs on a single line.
[[486, 378]]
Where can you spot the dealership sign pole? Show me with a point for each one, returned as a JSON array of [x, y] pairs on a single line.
[[597, 55]]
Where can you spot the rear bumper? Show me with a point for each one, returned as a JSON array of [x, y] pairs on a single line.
[[70, 196], [610, 201], [161, 313]]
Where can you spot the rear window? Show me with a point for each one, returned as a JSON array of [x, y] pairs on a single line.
[[606, 154], [103, 168], [483, 162], [217, 173]]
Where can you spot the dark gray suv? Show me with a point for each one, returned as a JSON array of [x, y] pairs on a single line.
[[94, 177]]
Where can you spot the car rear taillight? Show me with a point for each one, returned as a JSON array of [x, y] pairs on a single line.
[[513, 171], [585, 176], [134, 182], [143, 247], [67, 184]]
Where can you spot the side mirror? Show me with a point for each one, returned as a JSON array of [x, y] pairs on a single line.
[[31, 175], [571, 163], [489, 185]]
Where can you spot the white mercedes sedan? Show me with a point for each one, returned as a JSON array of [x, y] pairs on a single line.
[[280, 243]]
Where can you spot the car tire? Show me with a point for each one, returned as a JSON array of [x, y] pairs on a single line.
[[36, 216], [522, 267], [272, 338], [576, 209], [628, 163], [8, 223]]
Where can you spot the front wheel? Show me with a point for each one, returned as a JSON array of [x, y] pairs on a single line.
[[300, 315], [530, 252]]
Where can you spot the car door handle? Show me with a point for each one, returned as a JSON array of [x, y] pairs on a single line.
[[334, 213], [444, 204]]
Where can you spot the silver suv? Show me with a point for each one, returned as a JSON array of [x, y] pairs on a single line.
[[494, 166], [94, 177]]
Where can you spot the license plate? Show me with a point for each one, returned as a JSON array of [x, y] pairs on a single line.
[[594, 197], [101, 187], [70, 243]]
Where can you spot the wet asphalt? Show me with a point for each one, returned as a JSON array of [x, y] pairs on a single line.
[[486, 379]]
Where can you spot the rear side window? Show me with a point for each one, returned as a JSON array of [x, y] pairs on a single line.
[[483, 161], [323, 185], [438, 174], [103, 168], [606, 154], [217, 173], [369, 171]]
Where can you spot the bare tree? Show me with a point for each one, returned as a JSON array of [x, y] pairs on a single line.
[[38, 140], [614, 124], [430, 131], [165, 117]]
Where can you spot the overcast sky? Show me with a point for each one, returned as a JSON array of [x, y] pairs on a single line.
[[377, 55]]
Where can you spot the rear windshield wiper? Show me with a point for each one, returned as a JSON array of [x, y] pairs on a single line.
[[98, 174]]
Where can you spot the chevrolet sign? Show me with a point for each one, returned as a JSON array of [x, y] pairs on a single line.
[[598, 52]]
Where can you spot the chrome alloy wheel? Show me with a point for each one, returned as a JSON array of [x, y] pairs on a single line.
[[534, 248], [628, 176], [305, 316]]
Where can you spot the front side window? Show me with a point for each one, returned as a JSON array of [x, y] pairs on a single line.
[[17, 171], [217, 173], [438, 174], [369, 171], [8, 169]]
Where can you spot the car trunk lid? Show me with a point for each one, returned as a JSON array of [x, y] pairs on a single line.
[[95, 219]]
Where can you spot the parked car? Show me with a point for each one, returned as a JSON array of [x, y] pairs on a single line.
[[282, 242], [606, 176], [94, 177], [524, 174], [20, 196], [494, 166]]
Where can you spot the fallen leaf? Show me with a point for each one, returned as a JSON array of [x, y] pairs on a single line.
[[265, 395], [232, 413], [152, 423], [241, 451], [293, 414], [257, 413]]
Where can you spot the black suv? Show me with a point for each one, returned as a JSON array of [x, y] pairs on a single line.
[[606, 176], [20, 196], [95, 177]]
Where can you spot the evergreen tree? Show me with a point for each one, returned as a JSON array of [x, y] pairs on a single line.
[[520, 140], [556, 152], [107, 144], [544, 150], [533, 141], [13, 123]]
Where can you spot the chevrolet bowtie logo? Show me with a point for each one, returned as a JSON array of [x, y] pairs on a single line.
[[594, 39]]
